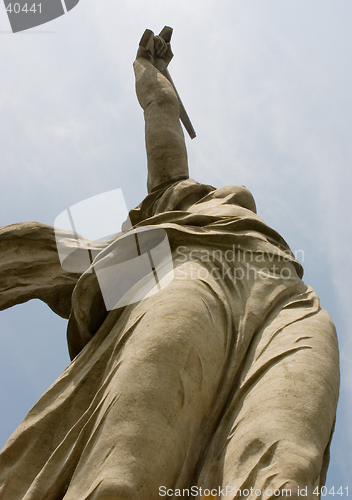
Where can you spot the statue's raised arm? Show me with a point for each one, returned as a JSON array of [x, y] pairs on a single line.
[[165, 143]]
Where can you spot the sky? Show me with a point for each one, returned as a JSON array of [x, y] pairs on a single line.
[[266, 84]]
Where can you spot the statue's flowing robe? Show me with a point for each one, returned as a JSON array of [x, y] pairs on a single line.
[[276, 339]]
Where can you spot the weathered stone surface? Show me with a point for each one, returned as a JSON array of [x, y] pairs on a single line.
[[30, 268], [228, 377]]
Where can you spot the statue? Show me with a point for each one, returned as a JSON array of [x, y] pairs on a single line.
[[222, 384]]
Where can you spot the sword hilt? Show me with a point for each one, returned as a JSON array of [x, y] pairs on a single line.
[[147, 44], [166, 33]]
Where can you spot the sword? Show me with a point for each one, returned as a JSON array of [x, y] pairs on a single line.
[[147, 43]]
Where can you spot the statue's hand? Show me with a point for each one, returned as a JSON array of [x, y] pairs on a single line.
[[163, 53], [30, 268], [156, 49]]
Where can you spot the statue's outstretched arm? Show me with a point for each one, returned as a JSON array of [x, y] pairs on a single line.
[[30, 268], [165, 143]]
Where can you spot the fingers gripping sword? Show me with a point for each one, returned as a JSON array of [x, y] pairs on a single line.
[[147, 43]]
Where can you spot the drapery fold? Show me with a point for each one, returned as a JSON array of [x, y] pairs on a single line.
[[241, 271]]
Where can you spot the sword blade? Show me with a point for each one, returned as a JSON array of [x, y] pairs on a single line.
[[183, 113]]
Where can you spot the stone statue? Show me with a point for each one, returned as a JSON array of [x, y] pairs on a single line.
[[222, 384]]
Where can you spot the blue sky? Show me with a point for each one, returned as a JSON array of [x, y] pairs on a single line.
[[267, 86]]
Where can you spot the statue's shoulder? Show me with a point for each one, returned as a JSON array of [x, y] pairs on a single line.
[[238, 195]]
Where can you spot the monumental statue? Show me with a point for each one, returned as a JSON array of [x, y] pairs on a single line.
[[224, 383]]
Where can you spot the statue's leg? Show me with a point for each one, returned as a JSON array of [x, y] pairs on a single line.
[[165, 143], [285, 411], [157, 393]]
